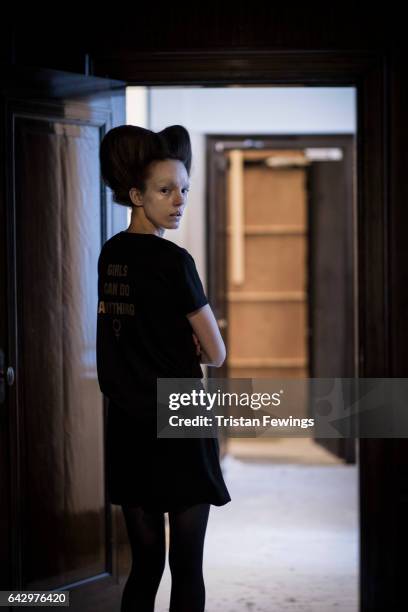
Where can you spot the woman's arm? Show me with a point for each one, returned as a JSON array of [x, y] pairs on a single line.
[[206, 329], [204, 358]]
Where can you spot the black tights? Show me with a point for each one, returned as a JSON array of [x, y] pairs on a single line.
[[146, 533]]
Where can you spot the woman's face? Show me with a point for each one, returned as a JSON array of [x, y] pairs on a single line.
[[165, 196]]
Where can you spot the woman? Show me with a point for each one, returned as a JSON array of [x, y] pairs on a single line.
[[154, 321]]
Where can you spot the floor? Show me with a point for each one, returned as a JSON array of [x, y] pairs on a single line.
[[288, 540]]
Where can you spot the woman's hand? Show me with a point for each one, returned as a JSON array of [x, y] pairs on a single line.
[[210, 344], [197, 343]]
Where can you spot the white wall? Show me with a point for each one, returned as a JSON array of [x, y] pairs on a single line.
[[237, 110]]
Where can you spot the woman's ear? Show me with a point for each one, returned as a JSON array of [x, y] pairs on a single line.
[[135, 196]]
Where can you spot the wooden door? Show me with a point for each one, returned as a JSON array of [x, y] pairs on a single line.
[[332, 347], [62, 528]]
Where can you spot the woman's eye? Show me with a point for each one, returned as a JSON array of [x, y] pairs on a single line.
[[163, 189]]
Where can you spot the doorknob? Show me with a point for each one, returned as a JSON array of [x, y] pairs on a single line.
[[222, 323], [8, 376]]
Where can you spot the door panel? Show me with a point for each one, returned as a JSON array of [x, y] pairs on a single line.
[[332, 280], [64, 531], [58, 236]]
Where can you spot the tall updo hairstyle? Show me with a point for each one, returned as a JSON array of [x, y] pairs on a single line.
[[127, 150]]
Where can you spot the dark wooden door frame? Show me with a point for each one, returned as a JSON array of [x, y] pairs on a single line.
[[381, 580], [217, 146]]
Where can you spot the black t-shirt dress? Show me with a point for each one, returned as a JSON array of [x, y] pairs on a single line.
[[146, 286]]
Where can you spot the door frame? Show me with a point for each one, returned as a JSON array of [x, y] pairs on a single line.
[[369, 72], [217, 145]]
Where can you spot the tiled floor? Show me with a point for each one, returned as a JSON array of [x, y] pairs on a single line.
[[288, 540]]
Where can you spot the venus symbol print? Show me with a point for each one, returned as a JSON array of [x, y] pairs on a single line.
[[117, 324]]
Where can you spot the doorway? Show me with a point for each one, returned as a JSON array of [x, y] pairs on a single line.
[[284, 209], [279, 273]]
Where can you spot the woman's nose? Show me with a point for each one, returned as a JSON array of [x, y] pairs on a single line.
[[179, 199]]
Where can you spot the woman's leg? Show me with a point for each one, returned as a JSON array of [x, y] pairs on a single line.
[[187, 533], [147, 540]]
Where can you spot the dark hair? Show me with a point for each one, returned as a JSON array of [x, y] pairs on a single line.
[[127, 150]]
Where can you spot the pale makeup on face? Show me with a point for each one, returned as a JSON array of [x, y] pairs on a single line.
[[162, 204]]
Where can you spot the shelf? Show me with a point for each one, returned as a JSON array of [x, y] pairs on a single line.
[[266, 362], [272, 230], [266, 296]]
